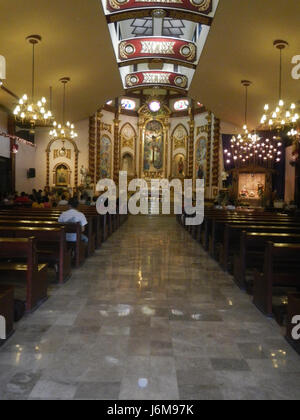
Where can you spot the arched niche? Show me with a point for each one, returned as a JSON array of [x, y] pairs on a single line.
[[76, 152], [128, 151], [62, 175]]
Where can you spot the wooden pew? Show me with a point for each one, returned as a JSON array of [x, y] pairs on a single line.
[[252, 251], [293, 310], [51, 245], [75, 228], [7, 309], [281, 269], [52, 217], [232, 234], [35, 274], [90, 212], [218, 227]]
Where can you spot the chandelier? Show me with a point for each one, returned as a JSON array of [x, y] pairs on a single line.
[[249, 149], [29, 112], [281, 117], [64, 131], [255, 152]]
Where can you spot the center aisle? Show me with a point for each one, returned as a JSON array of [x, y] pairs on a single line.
[[150, 316]]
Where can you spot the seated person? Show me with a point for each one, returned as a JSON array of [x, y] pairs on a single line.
[[231, 205], [82, 200], [37, 204], [74, 216], [23, 199], [46, 202], [94, 202], [63, 201]]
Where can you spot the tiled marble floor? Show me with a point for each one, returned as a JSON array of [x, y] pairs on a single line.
[[150, 316]]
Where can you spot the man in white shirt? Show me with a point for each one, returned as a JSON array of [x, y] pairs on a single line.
[[63, 201], [74, 216]]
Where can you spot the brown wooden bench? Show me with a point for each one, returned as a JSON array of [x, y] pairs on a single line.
[[218, 227], [12, 250], [231, 241], [281, 269], [54, 219], [52, 245], [252, 251], [93, 229], [293, 311], [6, 311], [80, 248]]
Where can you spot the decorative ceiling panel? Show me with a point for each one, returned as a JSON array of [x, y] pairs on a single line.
[[197, 6], [154, 47], [157, 78]]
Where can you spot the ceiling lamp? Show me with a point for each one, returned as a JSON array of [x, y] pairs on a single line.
[[245, 137], [281, 116], [29, 112], [64, 131], [154, 106], [256, 152], [248, 149]]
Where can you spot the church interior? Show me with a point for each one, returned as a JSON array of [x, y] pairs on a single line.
[[147, 306]]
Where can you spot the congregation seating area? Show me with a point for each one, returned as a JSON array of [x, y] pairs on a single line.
[[35, 254], [262, 252]]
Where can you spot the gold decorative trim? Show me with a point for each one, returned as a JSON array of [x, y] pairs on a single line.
[[115, 4], [191, 54], [129, 79], [181, 81], [202, 5], [122, 48]]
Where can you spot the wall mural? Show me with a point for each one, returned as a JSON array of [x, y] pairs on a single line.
[[154, 147], [200, 158], [105, 158]]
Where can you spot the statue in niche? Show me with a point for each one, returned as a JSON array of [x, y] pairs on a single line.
[[179, 166], [127, 164], [83, 173]]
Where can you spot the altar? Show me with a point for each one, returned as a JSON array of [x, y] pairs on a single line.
[[252, 185]]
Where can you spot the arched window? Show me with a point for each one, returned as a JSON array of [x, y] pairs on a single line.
[[128, 104], [181, 105]]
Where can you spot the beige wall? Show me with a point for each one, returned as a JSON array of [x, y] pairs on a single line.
[[25, 159], [4, 142]]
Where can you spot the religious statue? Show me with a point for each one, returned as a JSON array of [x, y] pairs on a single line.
[[180, 166], [83, 173]]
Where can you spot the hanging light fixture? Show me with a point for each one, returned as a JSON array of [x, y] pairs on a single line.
[[249, 149], [64, 131], [29, 112], [281, 117]]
